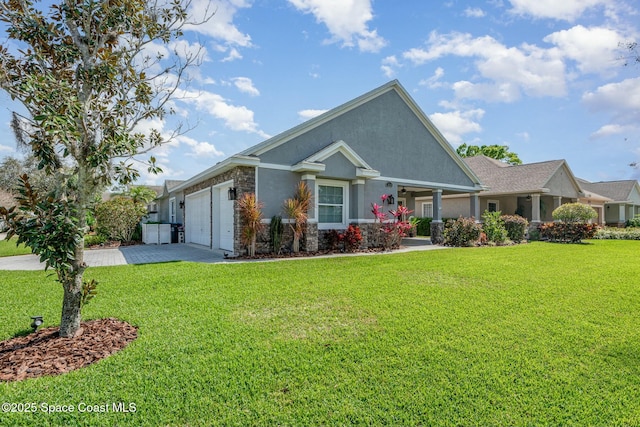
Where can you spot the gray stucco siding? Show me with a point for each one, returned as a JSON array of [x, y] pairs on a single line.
[[338, 167], [274, 187], [561, 185], [387, 134]]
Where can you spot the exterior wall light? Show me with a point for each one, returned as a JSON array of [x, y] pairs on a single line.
[[391, 200], [181, 204], [231, 193], [36, 322]]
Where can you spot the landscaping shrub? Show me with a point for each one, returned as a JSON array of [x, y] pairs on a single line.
[[422, 225], [574, 212], [568, 232], [633, 222], [332, 239], [94, 239], [118, 218], [250, 220], [391, 230], [611, 233], [462, 232], [493, 227], [352, 237], [516, 227]]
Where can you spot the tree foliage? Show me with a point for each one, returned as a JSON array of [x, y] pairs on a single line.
[[83, 73], [250, 220], [297, 208], [498, 152]]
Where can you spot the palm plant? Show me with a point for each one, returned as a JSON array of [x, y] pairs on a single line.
[[297, 209], [250, 220]]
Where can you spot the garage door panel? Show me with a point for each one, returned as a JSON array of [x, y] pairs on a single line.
[[198, 218]]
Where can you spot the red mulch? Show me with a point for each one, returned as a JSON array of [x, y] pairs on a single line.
[[46, 353]]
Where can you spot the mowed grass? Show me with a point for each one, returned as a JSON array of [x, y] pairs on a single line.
[[9, 248], [538, 334]]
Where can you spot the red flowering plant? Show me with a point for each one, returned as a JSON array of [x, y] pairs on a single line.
[[392, 229]]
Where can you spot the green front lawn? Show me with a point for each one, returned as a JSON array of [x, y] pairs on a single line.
[[537, 334], [9, 248]]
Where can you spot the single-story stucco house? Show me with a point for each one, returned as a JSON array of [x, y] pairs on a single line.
[[378, 143], [623, 201], [530, 190]]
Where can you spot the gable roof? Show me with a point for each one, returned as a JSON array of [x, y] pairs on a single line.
[[618, 191], [393, 85], [502, 178], [314, 163]]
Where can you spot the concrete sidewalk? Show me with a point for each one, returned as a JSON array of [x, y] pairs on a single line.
[[146, 254]]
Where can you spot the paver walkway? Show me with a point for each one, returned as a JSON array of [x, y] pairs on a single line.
[[145, 254]]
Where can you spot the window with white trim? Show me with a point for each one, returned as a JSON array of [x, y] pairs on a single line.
[[172, 210], [427, 210], [332, 204], [493, 206]]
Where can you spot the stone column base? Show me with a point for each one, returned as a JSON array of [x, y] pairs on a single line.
[[437, 233]]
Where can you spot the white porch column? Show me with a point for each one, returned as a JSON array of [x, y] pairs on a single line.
[[535, 208], [474, 206], [622, 208], [358, 205]]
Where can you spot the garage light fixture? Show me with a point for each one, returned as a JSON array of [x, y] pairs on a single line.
[[231, 193], [181, 204], [36, 321], [391, 200]]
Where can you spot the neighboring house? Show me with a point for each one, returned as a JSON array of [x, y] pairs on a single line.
[[531, 190], [379, 143], [171, 203], [623, 199]]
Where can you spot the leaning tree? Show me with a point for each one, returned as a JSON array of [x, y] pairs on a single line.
[[87, 73]]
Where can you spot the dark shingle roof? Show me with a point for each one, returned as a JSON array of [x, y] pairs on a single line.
[[503, 178], [618, 191]]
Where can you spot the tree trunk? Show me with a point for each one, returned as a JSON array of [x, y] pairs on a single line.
[[71, 307], [72, 286]]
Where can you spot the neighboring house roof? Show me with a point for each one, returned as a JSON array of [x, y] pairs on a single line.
[[618, 191], [502, 178]]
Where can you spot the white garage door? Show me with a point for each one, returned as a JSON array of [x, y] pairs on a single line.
[[198, 218], [226, 221]]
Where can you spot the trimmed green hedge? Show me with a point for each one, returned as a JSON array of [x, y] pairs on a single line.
[[610, 233]]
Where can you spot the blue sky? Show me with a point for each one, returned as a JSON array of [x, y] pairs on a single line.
[[541, 76]]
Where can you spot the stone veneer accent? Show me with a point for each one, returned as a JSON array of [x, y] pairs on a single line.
[[437, 233], [244, 181]]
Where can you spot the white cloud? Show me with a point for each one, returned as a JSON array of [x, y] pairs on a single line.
[[567, 10], [594, 49], [509, 71], [310, 114], [623, 97], [433, 81], [622, 101], [5, 148], [199, 149], [389, 66], [238, 118], [245, 85], [455, 124], [474, 12], [221, 24], [232, 56], [346, 20]]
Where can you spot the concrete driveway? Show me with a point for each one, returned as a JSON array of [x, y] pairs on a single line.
[[146, 254]]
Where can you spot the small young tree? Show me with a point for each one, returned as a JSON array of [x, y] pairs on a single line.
[[250, 220], [84, 74], [297, 209]]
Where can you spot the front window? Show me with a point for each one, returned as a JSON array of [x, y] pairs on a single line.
[[427, 210], [332, 205], [493, 206], [172, 210]]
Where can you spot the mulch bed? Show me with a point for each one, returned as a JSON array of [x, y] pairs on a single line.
[[46, 353]]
